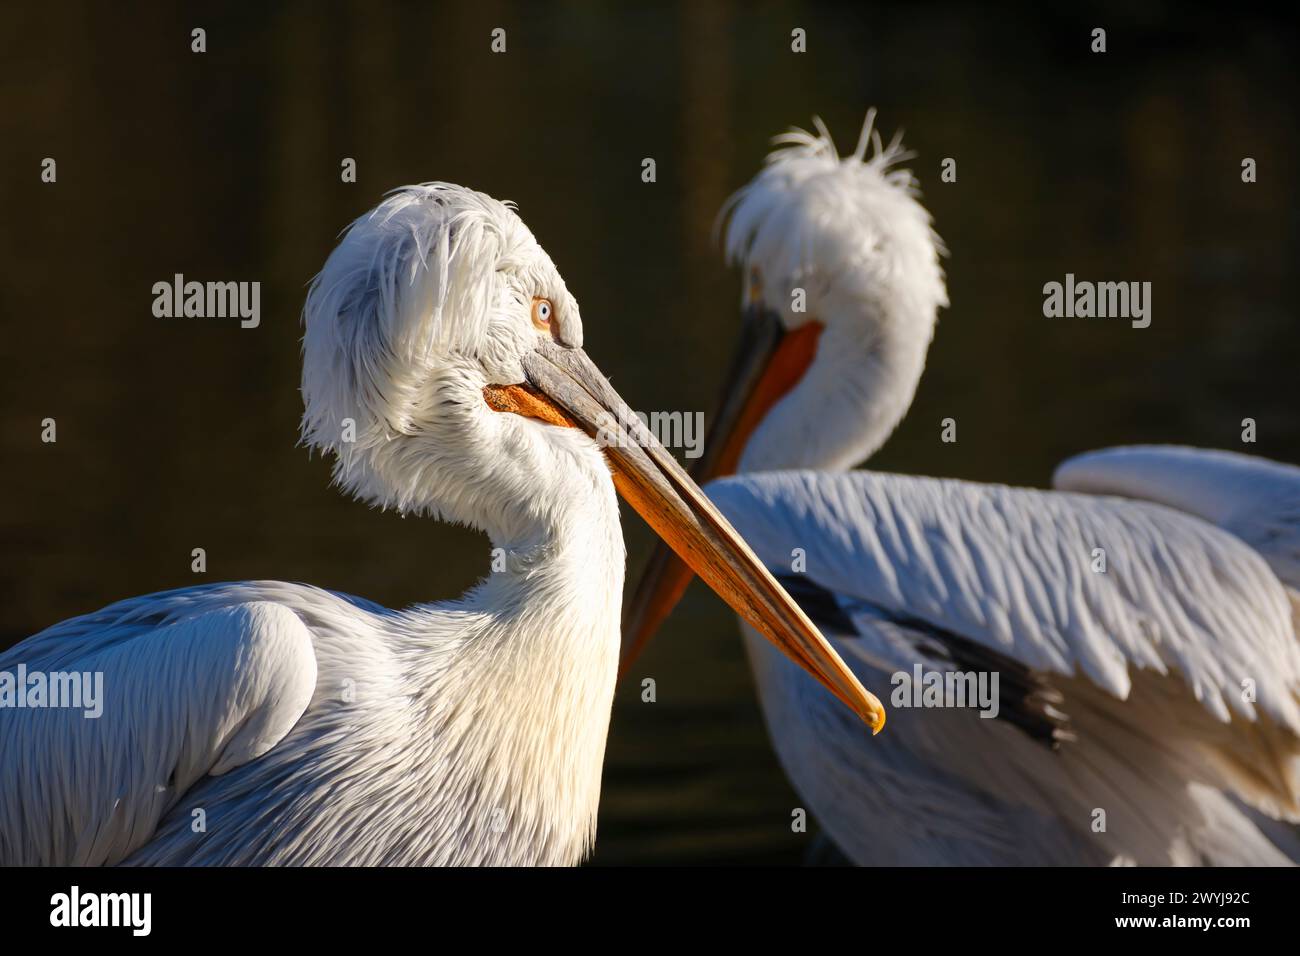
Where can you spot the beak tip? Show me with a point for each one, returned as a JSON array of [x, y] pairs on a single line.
[[877, 720]]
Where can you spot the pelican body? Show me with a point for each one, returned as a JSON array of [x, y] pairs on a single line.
[[271, 723], [1141, 621]]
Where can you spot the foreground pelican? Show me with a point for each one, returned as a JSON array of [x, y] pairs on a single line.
[[263, 722], [1148, 695]]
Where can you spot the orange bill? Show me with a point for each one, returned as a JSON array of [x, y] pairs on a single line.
[[768, 363], [565, 388]]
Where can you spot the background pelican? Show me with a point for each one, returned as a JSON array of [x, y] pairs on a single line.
[[1148, 713], [265, 722]]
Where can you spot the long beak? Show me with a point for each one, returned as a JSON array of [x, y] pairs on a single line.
[[565, 387], [767, 363]]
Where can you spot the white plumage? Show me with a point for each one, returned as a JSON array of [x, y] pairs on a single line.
[[1012, 568], [1148, 660], [264, 722], [851, 234], [272, 723], [1256, 499], [1150, 713]]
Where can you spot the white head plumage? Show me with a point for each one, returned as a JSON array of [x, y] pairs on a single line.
[[844, 229], [846, 242], [425, 299]]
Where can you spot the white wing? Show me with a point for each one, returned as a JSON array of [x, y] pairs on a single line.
[[1149, 655], [194, 682], [1256, 499]]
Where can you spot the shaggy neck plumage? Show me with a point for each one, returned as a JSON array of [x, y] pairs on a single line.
[[535, 662]]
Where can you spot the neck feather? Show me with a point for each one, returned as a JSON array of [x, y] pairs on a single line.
[[526, 684], [854, 394]]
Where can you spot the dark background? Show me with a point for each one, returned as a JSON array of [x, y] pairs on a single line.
[[176, 434]]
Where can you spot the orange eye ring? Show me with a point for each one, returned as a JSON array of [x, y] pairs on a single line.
[[543, 310]]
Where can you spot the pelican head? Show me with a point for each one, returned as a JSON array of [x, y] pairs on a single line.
[[443, 369], [841, 292], [433, 296], [842, 287]]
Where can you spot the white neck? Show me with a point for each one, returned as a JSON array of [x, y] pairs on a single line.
[[526, 687], [852, 397]]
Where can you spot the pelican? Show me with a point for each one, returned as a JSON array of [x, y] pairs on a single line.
[[272, 723], [1141, 622]]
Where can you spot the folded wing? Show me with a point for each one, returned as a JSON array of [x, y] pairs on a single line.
[[1256, 499], [192, 684], [1171, 641]]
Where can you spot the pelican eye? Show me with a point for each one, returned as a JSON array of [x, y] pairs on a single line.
[[542, 312]]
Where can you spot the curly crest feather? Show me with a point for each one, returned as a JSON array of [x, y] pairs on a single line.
[[811, 218], [411, 279], [421, 295]]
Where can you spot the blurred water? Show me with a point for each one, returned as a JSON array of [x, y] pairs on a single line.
[[181, 434]]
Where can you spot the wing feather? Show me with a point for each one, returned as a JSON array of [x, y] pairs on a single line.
[[1162, 639], [1255, 499], [191, 685]]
